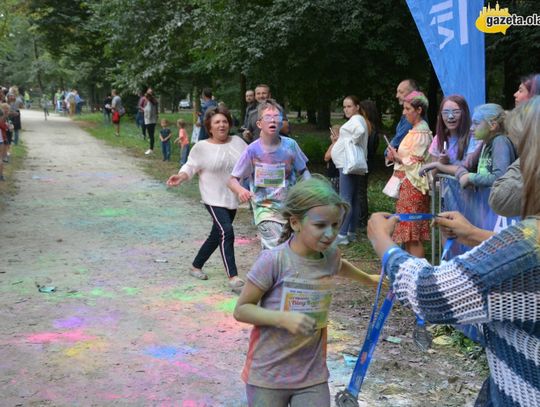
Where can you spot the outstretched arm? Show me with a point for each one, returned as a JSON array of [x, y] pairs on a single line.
[[484, 285], [347, 270], [177, 179]]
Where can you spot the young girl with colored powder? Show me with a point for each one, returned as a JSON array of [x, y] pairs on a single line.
[[497, 153], [287, 297]]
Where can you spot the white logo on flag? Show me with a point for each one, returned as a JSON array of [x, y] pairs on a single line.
[[443, 13]]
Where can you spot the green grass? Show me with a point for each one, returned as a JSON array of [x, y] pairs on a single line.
[[459, 341], [132, 143]]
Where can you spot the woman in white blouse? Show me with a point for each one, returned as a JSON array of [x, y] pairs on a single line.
[[352, 187], [213, 160]]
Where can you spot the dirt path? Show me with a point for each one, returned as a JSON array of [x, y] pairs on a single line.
[[124, 330]]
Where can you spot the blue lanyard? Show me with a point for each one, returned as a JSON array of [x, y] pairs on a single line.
[[349, 397], [375, 327]]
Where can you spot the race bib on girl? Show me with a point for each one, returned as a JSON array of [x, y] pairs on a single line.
[[310, 297]]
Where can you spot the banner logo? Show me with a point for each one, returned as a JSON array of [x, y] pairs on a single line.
[[498, 20]]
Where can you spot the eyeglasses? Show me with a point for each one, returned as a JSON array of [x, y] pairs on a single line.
[[453, 112], [270, 118]]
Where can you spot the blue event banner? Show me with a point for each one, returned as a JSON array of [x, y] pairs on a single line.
[[454, 44]]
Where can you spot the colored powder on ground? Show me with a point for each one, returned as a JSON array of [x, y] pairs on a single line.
[[71, 322], [227, 305], [54, 337]]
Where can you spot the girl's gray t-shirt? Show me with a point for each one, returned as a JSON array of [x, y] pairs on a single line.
[[276, 358]]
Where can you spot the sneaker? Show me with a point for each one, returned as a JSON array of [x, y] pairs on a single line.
[[148, 152], [342, 239], [198, 273], [2, 178], [6, 159], [236, 282], [351, 237]]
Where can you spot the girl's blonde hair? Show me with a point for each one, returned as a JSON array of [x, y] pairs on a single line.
[[313, 192], [491, 113], [529, 151], [181, 123]]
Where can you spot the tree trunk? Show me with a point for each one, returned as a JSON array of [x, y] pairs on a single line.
[[509, 85], [36, 56], [92, 98], [323, 115], [311, 116], [196, 102], [161, 104]]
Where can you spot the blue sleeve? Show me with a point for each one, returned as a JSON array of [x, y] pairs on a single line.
[[502, 155], [402, 129]]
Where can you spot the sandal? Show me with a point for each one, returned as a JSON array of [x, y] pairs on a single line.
[[198, 274], [236, 282]]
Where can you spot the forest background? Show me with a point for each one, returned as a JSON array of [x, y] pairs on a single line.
[[312, 53]]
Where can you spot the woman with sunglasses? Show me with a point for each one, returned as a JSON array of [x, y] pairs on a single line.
[[453, 144]]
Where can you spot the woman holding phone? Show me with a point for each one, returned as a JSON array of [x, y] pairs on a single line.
[[413, 193], [357, 128]]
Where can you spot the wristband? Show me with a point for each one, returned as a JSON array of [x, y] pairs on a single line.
[[387, 255]]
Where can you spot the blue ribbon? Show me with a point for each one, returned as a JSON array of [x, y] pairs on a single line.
[[413, 217], [375, 327], [376, 324]]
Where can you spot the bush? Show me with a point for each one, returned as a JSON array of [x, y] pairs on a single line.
[[313, 147]]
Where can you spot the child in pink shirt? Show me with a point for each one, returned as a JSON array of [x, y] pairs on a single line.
[[182, 141]]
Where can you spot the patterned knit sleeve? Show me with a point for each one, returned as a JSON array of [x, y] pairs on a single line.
[[496, 281]]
